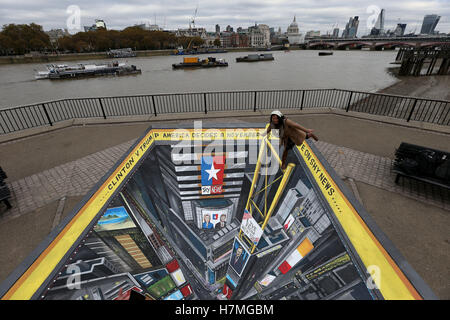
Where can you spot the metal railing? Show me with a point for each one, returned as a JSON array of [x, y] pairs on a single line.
[[49, 113]]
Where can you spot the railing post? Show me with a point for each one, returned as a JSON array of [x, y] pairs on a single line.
[[254, 103], [154, 106], [412, 110], [303, 97], [46, 113], [101, 106], [349, 101], [204, 100]]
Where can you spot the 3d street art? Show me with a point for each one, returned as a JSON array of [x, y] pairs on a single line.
[[191, 213]]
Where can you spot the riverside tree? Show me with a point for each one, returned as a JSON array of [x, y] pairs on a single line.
[[23, 38]]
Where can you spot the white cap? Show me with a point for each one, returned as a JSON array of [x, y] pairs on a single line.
[[277, 112]]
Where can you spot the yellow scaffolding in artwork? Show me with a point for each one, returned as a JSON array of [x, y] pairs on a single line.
[[251, 206]]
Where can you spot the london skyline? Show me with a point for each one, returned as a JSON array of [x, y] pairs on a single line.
[[171, 14]]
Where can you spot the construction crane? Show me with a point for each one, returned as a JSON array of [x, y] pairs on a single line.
[[193, 19]]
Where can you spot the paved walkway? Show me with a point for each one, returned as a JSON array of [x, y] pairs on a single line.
[[77, 177], [74, 178], [376, 171]]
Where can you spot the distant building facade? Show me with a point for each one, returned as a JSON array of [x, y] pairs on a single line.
[[351, 28], [98, 24], [336, 33], [293, 34], [149, 27], [55, 34], [399, 30], [429, 23], [259, 36], [312, 34]]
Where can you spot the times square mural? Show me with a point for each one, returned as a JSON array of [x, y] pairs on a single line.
[[172, 233]]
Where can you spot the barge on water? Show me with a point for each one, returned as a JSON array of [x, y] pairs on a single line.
[[209, 62], [86, 70], [325, 53], [256, 57]]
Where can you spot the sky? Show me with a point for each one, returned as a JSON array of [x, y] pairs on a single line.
[[322, 15]]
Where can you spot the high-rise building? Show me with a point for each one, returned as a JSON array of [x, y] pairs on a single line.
[[400, 29], [217, 29], [430, 22], [336, 33], [378, 29], [351, 28]]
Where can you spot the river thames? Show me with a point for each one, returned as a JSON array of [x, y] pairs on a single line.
[[298, 69]]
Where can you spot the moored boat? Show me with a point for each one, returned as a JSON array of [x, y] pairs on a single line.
[[85, 70], [256, 57], [121, 53]]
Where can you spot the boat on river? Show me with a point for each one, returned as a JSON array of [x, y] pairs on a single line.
[[325, 53], [86, 70], [195, 62], [256, 57], [121, 53]]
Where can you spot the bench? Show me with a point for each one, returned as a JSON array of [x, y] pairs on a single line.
[[5, 194], [423, 164]]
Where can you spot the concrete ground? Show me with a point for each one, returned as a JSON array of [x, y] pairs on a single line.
[[38, 153], [20, 236], [417, 227], [419, 232]]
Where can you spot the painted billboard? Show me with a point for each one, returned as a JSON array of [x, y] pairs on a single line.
[[239, 257], [114, 219]]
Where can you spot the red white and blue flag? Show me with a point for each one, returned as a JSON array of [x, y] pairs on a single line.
[[212, 174]]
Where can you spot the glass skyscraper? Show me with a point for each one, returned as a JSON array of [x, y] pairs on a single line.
[[430, 22]]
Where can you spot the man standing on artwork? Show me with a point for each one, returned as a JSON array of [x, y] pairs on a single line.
[[207, 222], [222, 223], [289, 132]]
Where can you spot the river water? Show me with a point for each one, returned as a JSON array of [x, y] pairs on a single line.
[[300, 69]]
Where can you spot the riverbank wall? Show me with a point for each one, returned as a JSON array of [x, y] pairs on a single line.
[[95, 55]]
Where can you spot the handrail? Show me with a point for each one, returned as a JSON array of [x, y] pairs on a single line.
[[49, 112]]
